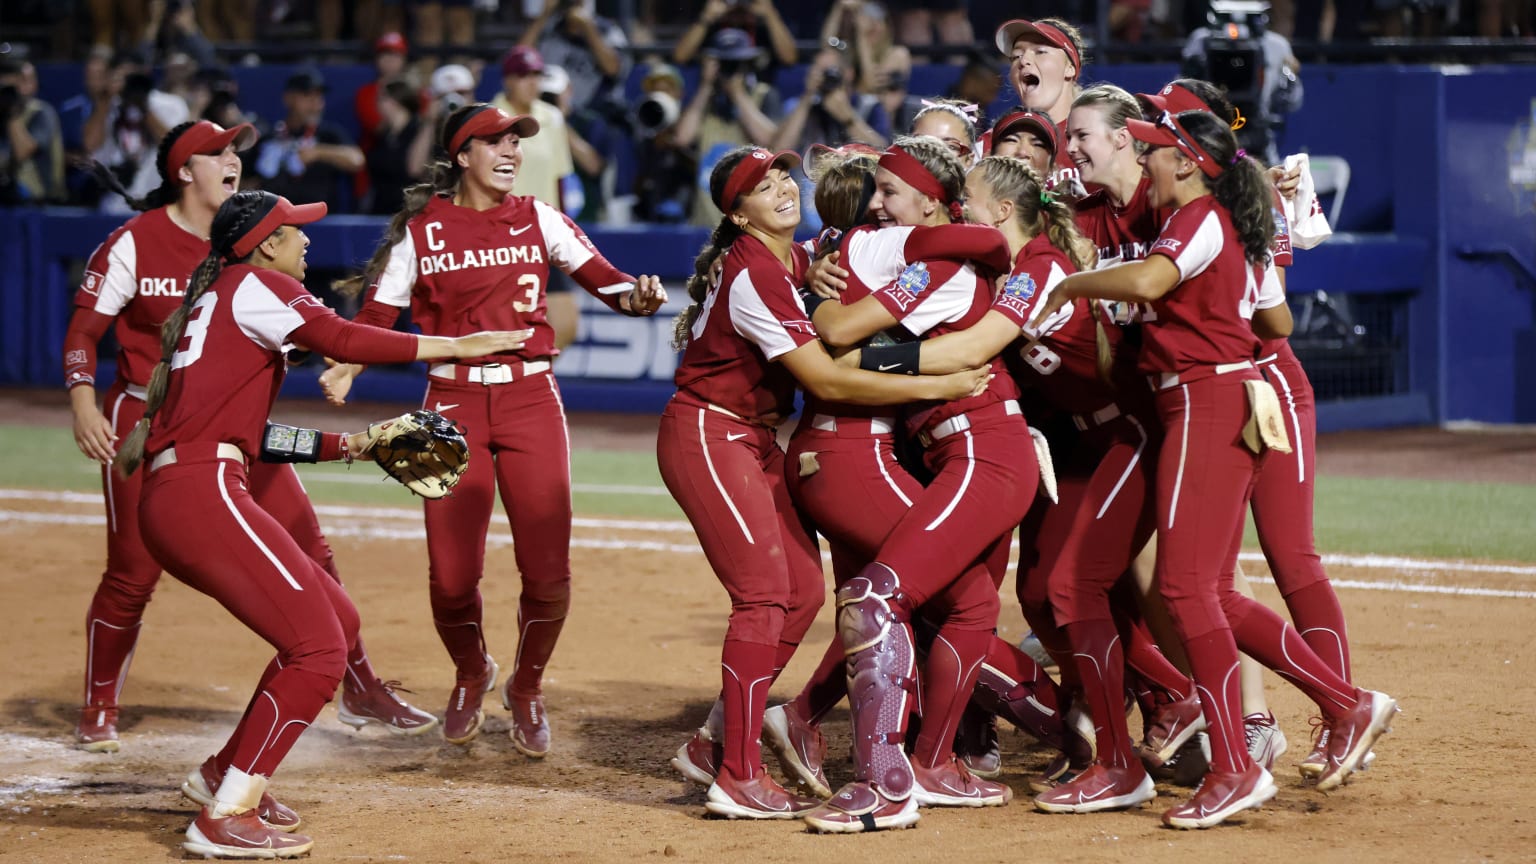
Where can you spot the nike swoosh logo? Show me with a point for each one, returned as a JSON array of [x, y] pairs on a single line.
[[735, 436], [516, 231], [101, 683], [764, 805], [441, 407], [265, 841], [886, 367]]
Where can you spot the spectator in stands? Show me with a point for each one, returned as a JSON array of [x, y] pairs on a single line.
[[96, 79], [390, 168], [304, 158], [830, 111], [758, 18], [117, 24], [433, 17], [128, 119], [980, 81], [592, 51], [731, 108], [884, 67], [664, 181], [547, 155], [172, 30], [917, 22], [32, 148], [178, 76], [389, 53], [228, 20], [586, 191]]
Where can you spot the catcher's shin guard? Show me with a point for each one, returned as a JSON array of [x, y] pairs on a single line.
[[1029, 706], [873, 623]]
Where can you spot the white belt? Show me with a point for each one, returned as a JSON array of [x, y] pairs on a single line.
[[1171, 379], [137, 392], [727, 412], [167, 456], [961, 422], [877, 425], [491, 373], [1084, 422]]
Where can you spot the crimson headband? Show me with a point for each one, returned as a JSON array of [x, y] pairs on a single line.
[[280, 212], [914, 173], [750, 171]]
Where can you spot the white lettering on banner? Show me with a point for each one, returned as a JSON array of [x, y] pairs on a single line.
[[156, 287], [448, 262], [620, 348]]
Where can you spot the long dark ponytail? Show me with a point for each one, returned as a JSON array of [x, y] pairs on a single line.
[[169, 189], [725, 233], [1241, 187], [238, 214]]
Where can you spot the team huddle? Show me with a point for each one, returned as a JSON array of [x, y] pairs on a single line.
[[1071, 326]]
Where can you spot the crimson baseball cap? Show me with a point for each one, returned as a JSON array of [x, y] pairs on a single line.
[[1049, 34], [1167, 131], [485, 121], [391, 43], [750, 171], [272, 212], [206, 138], [1024, 120], [522, 60], [1174, 98]]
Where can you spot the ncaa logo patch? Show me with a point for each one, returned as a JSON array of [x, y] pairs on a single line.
[[1021, 286], [912, 281]]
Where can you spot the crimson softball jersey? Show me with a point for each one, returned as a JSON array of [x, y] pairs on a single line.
[[1281, 255], [1204, 321], [230, 364], [138, 276], [750, 318], [461, 271], [1120, 233]]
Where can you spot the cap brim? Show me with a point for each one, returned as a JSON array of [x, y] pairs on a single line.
[[1029, 124], [1150, 133], [1010, 32], [1158, 102], [301, 214]]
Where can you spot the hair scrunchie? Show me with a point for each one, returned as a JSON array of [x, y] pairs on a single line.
[[956, 211]]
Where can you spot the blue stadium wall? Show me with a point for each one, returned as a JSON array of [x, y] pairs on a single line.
[[1431, 268]]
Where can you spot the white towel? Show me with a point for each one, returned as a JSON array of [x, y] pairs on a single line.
[[1309, 226]]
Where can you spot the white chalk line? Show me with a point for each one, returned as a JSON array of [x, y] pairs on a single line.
[[1370, 562]]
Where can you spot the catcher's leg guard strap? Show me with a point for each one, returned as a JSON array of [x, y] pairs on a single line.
[[881, 663]]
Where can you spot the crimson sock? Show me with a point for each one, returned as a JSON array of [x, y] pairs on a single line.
[[827, 686], [746, 670], [466, 646], [949, 676], [108, 651], [1142, 653], [1100, 667], [1213, 659], [1267, 638], [538, 629], [1315, 609]]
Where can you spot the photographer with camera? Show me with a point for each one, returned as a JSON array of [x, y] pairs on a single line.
[[1253, 64], [830, 111], [592, 50], [664, 181], [759, 19], [128, 119], [731, 108], [32, 148]]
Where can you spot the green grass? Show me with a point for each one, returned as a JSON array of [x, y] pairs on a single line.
[[1381, 516]]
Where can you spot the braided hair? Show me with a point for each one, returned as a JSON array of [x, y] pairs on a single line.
[[726, 232], [169, 190], [236, 215], [1241, 187], [443, 176]]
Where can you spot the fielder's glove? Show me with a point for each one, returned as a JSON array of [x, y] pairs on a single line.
[[423, 450]]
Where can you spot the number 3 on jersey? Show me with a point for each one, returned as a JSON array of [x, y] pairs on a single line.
[[529, 281], [191, 346]]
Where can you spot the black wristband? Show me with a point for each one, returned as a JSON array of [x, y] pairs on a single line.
[[900, 359], [812, 300], [284, 444]]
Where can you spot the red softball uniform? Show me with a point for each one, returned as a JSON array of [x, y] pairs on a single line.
[[1120, 233], [720, 459], [224, 378], [460, 271]]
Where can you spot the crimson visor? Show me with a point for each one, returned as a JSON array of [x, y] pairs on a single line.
[[487, 121], [278, 211], [205, 138], [750, 171]]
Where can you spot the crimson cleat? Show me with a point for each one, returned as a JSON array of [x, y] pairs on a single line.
[[950, 785], [97, 730], [800, 747], [860, 807], [1173, 725], [202, 785], [530, 725], [759, 798], [1351, 737], [1099, 788], [241, 836], [699, 759], [464, 716], [378, 704], [1220, 796]]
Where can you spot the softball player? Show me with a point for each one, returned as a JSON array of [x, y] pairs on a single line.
[[1029, 135], [953, 122], [221, 365], [1045, 65], [1202, 280], [747, 341], [135, 279], [465, 253]]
